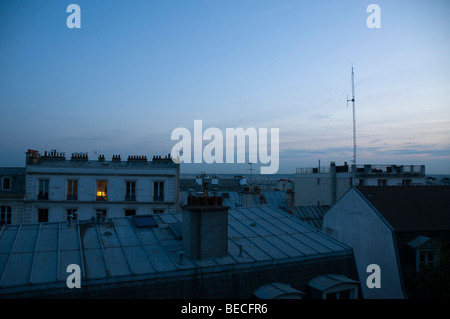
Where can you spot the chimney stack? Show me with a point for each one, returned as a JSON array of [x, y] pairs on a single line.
[[290, 198], [32, 157], [247, 197], [205, 227], [137, 158], [53, 155], [79, 157], [167, 157]]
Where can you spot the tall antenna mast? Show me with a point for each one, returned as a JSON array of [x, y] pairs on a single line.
[[354, 119]]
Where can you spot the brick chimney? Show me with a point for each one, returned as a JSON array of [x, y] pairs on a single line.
[[205, 227], [32, 157]]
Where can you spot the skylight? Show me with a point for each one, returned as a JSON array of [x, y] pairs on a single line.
[[144, 221]]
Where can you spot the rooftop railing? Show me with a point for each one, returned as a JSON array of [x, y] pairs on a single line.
[[313, 170], [367, 169]]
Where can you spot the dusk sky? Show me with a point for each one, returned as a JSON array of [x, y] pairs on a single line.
[[137, 70]]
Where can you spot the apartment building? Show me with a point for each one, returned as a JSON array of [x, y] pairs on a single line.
[[59, 189], [319, 186]]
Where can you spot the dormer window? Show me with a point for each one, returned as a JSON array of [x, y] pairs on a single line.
[[426, 251], [334, 286], [6, 183], [5, 215], [427, 259]]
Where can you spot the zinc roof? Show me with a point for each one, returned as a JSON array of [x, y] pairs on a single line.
[[233, 198], [313, 215], [411, 208], [36, 256]]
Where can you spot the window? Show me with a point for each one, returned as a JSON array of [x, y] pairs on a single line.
[[158, 191], [342, 294], [72, 212], [42, 215], [130, 212], [72, 189], [318, 181], [158, 211], [130, 194], [101, 190], [361, 182], [6, 184], [100, 214], [331, 295], [427, 258], [426, 251], [5, 215], [43, 189], [406, 182], [382, 182]]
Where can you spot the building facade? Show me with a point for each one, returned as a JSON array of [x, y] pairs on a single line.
[[354, 222], [58, 189], [325, 185], [12, 192], [404, 230]]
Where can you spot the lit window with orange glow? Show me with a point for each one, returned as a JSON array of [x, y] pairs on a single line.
[[101, 190]]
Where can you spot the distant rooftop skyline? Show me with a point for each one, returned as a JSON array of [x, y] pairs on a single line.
[[135, 71]]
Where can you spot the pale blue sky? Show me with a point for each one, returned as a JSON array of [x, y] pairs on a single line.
[[136, 70]]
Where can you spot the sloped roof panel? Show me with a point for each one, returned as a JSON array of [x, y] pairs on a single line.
[[117, 249], [45, 267], [412, 208]]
